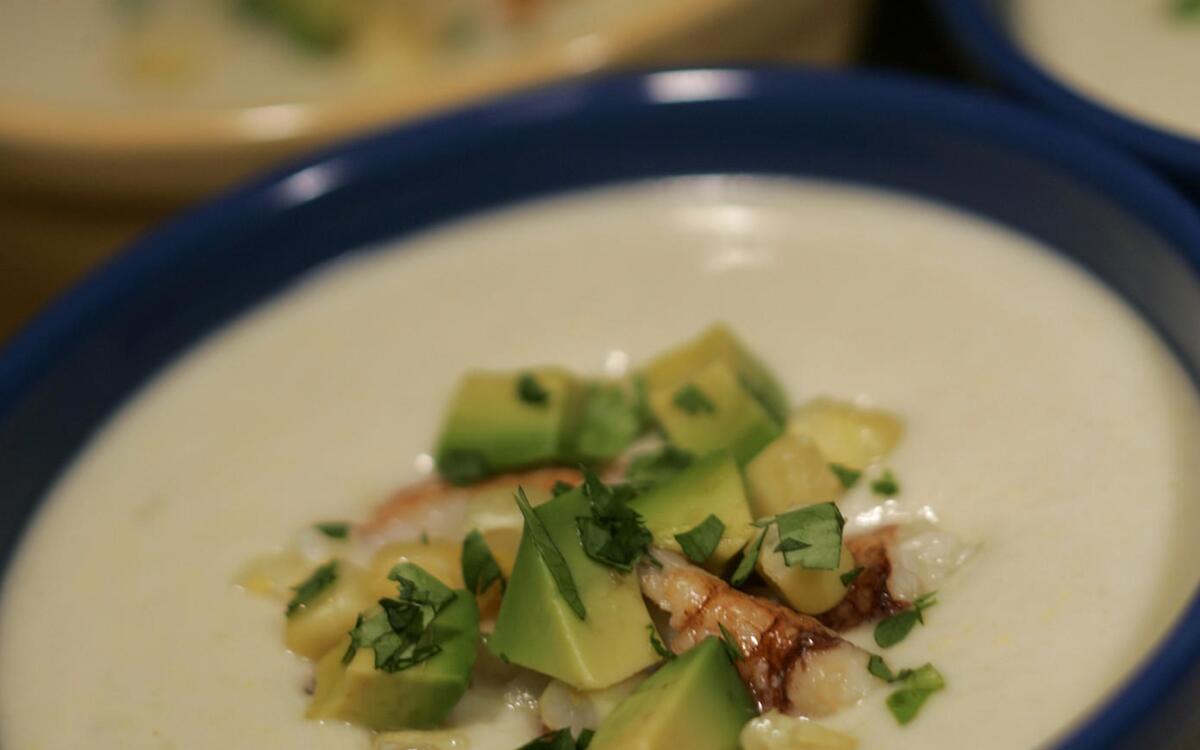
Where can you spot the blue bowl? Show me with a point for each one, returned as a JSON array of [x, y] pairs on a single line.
[[79, 360], [979, 28]]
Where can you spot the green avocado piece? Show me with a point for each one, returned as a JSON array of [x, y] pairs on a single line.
[[711, 486], [503, 421], [711, 411], [609, 420], [419, 697], [537, 628], [696, 701], [718, 343]]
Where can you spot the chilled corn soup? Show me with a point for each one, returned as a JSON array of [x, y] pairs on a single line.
[[1135, 55], [1046, 431]]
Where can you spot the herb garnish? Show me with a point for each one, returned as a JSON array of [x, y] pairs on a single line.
[[551, 555], [1187, 10], [886, 485], [692, 400], [730, 643], [333, 529], [560, 740], [648, 469], [461, 467], [613, 534], [749, 560], [561, 488], [399, 631], [309, 589], [479, 568], [699, 543], [851, 576], [847, 476], [915, 687], [811, 537], [530, 391], [657, 645], [892, 630]]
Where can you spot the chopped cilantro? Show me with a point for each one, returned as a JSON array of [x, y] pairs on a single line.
[[648, 469], [892, 630], [613, 534], [811, 537], [551, 555], [312, 587], [730, 643], [657, 645], [749, 560], [399, 630], [530, 391], [1186, 10], [479, 568], [886, 485], [851, 576], [693, 401], [608, 422], [847, 476], [333, 529], [699, 543], [560, 740], [461, 467], [561, 488], [915, 687]]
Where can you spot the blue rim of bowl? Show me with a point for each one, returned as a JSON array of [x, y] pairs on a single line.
[[67, 322], [984, 39]]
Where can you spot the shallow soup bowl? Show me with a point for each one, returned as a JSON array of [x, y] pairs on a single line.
[[729, 169]]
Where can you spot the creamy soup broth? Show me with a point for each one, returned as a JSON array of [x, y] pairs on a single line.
[[1045, 424], [1135, 55]]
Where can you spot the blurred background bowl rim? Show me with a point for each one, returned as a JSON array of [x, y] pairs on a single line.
[[989, 45], [66, 323], [92, 132]]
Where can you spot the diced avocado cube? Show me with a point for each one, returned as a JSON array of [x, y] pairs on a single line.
[[316, 625], [718, 344], [790, 473], [711, 486], [847, 434], [502, 421], [538, 629], [418, 697], [697, 701], [609, 420], [713, 411]]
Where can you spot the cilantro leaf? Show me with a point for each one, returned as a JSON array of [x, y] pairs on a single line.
[[693, 401], [479, 568], [878, 667], [915, 688], [886, 485], [892, 630], [847, 476], [530, 391], [398, 630], [851, 576], [312, 587], [333, 529], [749, 560], [560, 740], [657, 645], [613, 534], [730, 643], [648, 469], [700, 543], [460, 467], [811, 537], [551, 555]]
